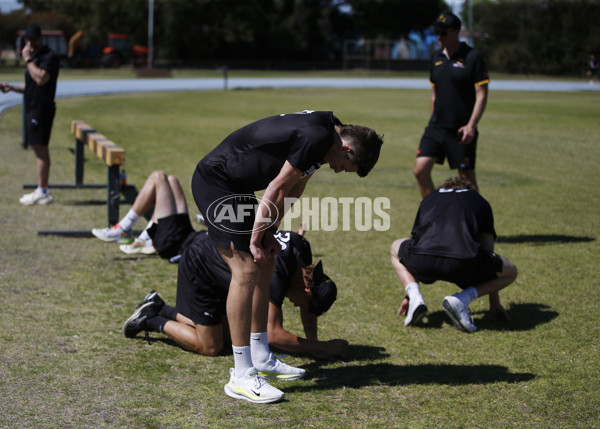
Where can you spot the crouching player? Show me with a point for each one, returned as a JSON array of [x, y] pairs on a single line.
[[452, 240]]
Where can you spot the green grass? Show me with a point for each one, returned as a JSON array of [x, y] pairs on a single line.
[[65, 363]]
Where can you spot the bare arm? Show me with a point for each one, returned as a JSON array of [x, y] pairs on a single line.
[[284, 340], [40, 76], [468, 130], [275, 194], [16, 88]]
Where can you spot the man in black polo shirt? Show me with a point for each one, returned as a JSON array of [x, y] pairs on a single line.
[[460, 86], [452, 240], [279, 153], [41, 74]]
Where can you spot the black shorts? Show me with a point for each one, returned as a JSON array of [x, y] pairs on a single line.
[[462, 272], [38, 127], [169, 234], [198, 297], [229, 213], [443, 142]]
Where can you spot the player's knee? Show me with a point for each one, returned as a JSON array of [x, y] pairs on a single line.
[[209, 349], [157, 175], [395, 247], [173, 180], [509, 270]]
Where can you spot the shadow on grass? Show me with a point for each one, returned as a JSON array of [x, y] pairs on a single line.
[[402, 375], [525, 317], [540, 239]]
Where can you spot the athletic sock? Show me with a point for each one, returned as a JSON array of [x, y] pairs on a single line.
[[467, 296], [259, 343], [156, 323], [168, 312], [42, 191], [144, 236], [242, 360], [129, 220], [412, 289]]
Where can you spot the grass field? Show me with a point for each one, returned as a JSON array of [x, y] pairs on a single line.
[[65, 363]]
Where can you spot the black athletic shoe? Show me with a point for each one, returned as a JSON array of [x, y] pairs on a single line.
[[152, 296], [137, 322]]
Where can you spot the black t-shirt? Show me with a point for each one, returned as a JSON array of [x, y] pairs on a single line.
[[450, 223], [202, 261], [41, 98], [294, 249], [454, 81], [251, 157]]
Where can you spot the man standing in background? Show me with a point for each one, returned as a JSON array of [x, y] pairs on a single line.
[[41, 74], [460, 87]]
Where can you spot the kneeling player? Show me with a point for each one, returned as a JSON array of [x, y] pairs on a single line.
[[198, 321]]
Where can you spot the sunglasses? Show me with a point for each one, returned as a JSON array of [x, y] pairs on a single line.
[[442, 33]]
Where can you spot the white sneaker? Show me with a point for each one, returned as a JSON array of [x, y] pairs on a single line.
[[138, 246], [116, 233], [458, 312], [36, 198], [416, 311], [252, 387], [274, 368]]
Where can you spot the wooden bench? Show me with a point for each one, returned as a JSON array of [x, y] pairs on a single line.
[[112, 155]]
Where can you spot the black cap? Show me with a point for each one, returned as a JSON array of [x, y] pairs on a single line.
[[33, 32], [448, 20], [323, 293]]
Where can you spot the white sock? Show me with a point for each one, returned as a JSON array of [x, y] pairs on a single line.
[[259, 344], [144, 236], [242, 360], [468, 295], [42, 191], [412, 289], [129, 220]]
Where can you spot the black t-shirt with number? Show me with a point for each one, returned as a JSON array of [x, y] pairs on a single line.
[[251, 157], [454, 81], [450, 223], [295, 250], [201, 261], [41, 98]]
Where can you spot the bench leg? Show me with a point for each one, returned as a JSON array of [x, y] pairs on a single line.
[[113, 194], [78, 162]]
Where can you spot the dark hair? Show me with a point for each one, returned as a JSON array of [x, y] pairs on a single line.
[[366, 145], [457, 183], [323, 290]]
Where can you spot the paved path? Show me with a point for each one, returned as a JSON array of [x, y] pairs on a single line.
[[82, 88]]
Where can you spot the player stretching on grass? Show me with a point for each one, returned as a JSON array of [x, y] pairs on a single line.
[[279, 153], [169, 228], [452, 240], [198, 322]]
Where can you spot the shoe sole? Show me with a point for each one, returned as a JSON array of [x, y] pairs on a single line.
[[121, 240], [41, 202], [286, 377], [237, 393], [418, 315], [454, 317], [142, 250]]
